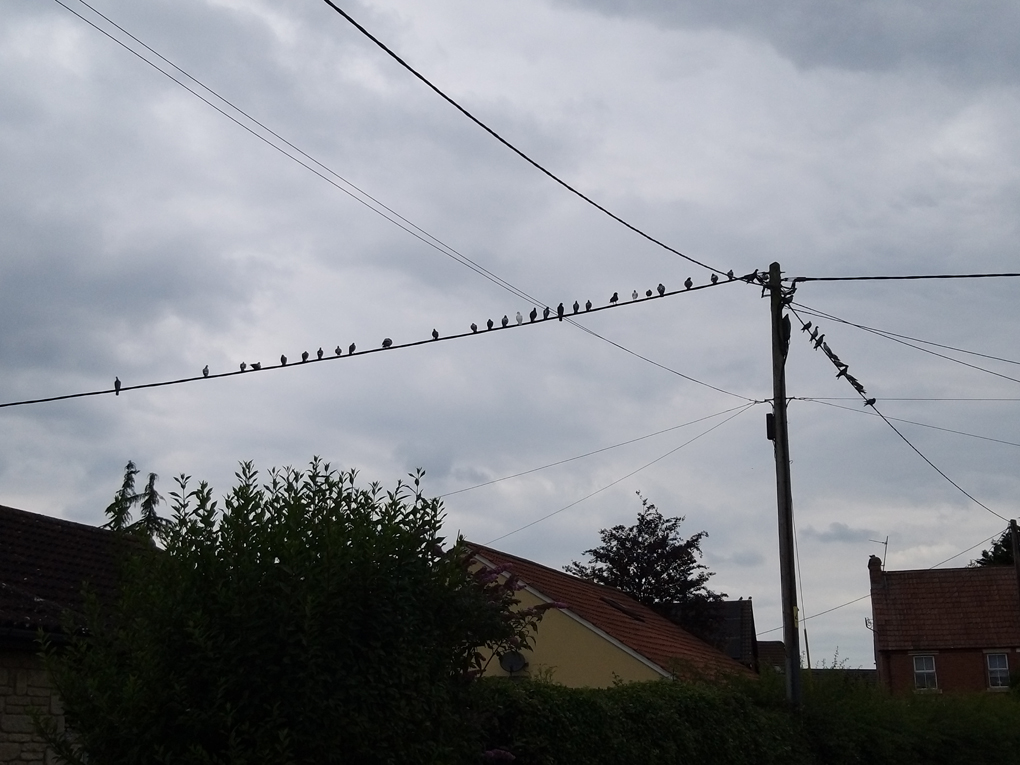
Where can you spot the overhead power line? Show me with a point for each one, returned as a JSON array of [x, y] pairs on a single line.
[[509, 145], [912, 277]]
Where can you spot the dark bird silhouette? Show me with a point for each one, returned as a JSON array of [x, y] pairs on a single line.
[[634, 295], [116, 386], [806, 327], [714, 278], [648, 293], [520, 319], [505, 320], [243, 366], [318, 353], [352, 349], [490, 323], [205, 371], [729, 274], [435, 334], [474, 327], [688, 283], [386, 343], [559, 312], [283, 360], [752, 277], [869, 402], [614, 299], [256, 365], [842, 371], [587, 305], [304, 356], [577, 306], [338, 351], [818, 342], [661, 289], [546, 311]]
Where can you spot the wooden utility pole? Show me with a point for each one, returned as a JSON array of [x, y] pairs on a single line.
[[784, 493]]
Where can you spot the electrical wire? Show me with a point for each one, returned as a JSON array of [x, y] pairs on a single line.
[[895, 278], [588, 454], [509, 145], [623, 478]]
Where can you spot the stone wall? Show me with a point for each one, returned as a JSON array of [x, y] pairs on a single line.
[[24, 684]]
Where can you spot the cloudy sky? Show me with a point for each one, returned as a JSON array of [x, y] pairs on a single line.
[[144, 235]]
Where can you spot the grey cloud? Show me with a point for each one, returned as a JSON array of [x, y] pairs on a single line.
[[839, 532]]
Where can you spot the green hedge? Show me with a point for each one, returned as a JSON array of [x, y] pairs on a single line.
[[844, 721]]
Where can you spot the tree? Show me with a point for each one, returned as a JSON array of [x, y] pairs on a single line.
[[149, 524], [309, 621], [653, 563], [1000, 554]]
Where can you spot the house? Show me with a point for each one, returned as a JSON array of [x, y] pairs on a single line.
[[44, 563], [951, 629], [772, 653], [602, 636]]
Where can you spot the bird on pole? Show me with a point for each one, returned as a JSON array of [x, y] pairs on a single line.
[[474, 327], [615, 298], [576, 306], [318, 353], [243, 366], [352, 349], [648, 293], [661, 289], [256, 365], [116, 386], [338, 351], [534, 314], [559, 312], [505, 320], [435, 334], [386, 343], [520, 319], [283, 360], [490, 323], [304, 356], [205, 371], [546, 311], [714, 278], [634, 295], [587, 305], [688, 283]]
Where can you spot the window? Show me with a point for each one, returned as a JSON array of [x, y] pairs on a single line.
[[924, 673], [998, 670]]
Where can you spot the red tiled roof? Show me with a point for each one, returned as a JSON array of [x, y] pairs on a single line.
[[621, 617], [945, 608], [45, 561]]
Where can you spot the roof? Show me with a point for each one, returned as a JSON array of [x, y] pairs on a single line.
[[772, 653], [44, 563], [619, 616], [945, 608], [736, 631]]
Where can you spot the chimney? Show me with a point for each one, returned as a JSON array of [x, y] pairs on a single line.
[[875, 571]]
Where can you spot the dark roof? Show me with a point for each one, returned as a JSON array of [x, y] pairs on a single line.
[[44, 563], [618, 615], [772, 653], [945, 608], [736, 634]]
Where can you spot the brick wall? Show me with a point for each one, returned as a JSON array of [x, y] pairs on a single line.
[[958, 671], [24, 684]]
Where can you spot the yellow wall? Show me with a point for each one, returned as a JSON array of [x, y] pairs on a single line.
[[569, 653]]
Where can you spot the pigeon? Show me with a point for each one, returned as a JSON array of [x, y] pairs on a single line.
[[435, 334], [520, 319], [714, 278], [256, 365], [559, 312], [474, 327], [533, 315], [338, 351], [614, 298], [661, 289], [648, 293], [205, 371], [318, 353], [587, 305], [489, 323], [386, 343], [818, 342], [243, 366], [634, 295], [545, 312], [304, 356], [688, 283], [505, 320], [283, 360], [806, 327], [116, 386], [576, 306], [352, 348], [869, 402], [729, 274]]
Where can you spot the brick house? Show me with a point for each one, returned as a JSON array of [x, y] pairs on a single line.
[[43, 564], [951, 629]]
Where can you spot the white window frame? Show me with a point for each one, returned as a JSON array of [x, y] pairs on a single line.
[[998, 677], [925, 672]]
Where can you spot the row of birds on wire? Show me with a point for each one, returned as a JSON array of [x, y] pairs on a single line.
[[546, 313]]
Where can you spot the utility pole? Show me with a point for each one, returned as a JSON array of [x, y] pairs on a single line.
[[784, 493]]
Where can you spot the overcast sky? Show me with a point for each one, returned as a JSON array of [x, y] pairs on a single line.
[[144, 235]]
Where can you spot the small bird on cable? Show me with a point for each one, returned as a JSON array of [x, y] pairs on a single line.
[[533, 315], [714, 278], [688, 283], [116, 386], [435, 334], [386, 343], [505, 320], [205, 371], [634, 295], [869, 402], [546, 311], [243, 366], [806, 327], [648, 293], [615, 298], [304, 356], [474, 327], [338, 351], [318, 353], [283, 360], [661, 289], [559, 312], [818, 342], [520, 319], [256, 365], [351, 349], [729, 274], [490, 323], [587, 305], [576, 306]]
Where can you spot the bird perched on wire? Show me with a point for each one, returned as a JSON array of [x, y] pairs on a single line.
[[351, 349], [714, 278], [559, 312], [386, 343], [520, 319], [806, 327], [661, 289], [505, 320], [729, 274], [283, 360], [587, 305], [338, 351], [576, 306], [474, 327], [546, 311], [256, 365], [205, 371], [243, 366], [318, 353], [116, 386], [615, 298], [648, 293], [490, 323], [304, 356], [688, 283], [533, 315], [435, 334], [634, 295]]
